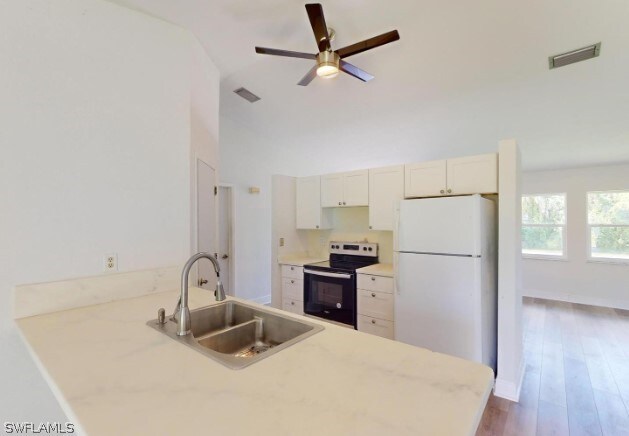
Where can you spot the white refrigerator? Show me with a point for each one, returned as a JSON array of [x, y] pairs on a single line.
[[446, 276]]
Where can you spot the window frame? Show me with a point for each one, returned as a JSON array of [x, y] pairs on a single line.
[[564, 233], [588, 229]]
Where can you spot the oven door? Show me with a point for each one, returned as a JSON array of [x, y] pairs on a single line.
[[330, 295]]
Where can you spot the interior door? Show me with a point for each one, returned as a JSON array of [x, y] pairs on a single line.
[[224, 235], [206, 223]]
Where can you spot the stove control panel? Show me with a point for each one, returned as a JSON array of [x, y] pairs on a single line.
[[354, 248]]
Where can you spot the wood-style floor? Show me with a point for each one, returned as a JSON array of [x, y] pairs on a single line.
[[577, 374]]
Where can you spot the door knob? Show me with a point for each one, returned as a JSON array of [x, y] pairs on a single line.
[[202, 281], [225, 256]]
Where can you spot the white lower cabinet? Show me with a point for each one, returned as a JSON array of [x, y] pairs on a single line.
[[293, 289], [375, 326], [375, 305]]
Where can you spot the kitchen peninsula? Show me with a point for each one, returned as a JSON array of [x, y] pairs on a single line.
[[115, 375]]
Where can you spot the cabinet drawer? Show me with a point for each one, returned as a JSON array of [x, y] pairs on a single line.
[[375, 304], [293, 306], [375, 283], [375, 326], [293, 289], [293, 272]]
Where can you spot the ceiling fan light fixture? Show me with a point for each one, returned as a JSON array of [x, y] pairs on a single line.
[[328, 64]]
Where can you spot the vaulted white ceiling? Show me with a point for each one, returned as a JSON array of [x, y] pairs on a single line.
[[464, 75]]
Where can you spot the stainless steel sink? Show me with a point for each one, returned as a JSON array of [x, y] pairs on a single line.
[[237, 334]]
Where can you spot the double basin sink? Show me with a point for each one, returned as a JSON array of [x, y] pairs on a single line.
[[236, 334]]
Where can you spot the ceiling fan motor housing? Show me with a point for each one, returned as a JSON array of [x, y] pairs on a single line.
[[328, 59]]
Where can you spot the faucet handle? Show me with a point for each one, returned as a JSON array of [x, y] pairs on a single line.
[[161, 316]]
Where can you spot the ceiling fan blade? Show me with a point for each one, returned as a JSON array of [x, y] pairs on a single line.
[[308, 77], [287, 53], [368, 44], [320, 29], [355, 71]]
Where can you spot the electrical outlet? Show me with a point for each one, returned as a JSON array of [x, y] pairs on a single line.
[[110, 262]]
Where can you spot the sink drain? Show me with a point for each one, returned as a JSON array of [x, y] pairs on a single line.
[[253, 350]]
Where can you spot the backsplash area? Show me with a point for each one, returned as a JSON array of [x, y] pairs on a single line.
[[351, 224]]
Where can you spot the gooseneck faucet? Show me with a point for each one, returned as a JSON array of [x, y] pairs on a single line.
[[182, 312]]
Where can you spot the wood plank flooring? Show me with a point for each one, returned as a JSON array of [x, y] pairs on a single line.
[[576, 380]]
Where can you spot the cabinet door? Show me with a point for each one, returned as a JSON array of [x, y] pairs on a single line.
[[375, 326], [426, 179], [332, 190], [308, 203], [356, 188], [473, 174], [374, 304], [386, 186], [293, 306]]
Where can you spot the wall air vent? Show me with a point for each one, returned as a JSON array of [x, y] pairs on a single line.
[[247, 95], [581, 54]]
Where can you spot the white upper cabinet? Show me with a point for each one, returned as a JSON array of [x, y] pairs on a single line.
[[386, 186], [473, 174], [425, 179], [345, 189], [332, 190], [464, 175], [308, 212]]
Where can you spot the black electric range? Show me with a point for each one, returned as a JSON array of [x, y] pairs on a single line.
[[330, 286]]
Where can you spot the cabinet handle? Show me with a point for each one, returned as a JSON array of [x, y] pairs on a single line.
[[317, 226], [449, 191], [373, 279], [370, 227], [373, 294], [292, 281], [373, 321], [292, 268], [339, 203], [292, 303], [442, 191], [343, 203]]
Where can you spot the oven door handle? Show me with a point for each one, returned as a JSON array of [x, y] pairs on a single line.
[[328, 274]]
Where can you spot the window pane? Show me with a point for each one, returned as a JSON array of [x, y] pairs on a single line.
[[610, 242], [608, 207], [543, 209], [547, 240]]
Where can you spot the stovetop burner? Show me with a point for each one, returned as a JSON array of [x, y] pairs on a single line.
[[348, 257]]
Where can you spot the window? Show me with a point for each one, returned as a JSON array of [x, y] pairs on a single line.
[[608, 225], [544, 226]]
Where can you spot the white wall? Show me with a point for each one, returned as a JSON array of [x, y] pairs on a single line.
[[510, 363], [96, 151], [575, 279]]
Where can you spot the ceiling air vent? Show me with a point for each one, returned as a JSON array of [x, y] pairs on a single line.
[[247, 95], [581, 54]]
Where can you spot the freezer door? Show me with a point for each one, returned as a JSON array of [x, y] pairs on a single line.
[[440, 225], [437, 304]]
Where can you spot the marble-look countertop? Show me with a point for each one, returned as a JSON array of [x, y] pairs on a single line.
[[115, 375], [299, 259], [378, 269]]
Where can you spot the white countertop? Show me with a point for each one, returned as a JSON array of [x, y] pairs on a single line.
[[378, 269], [299, 259], [115, 375]]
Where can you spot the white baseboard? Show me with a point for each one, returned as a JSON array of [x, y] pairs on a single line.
[[509, 389], [576, 298], [265, 299]]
